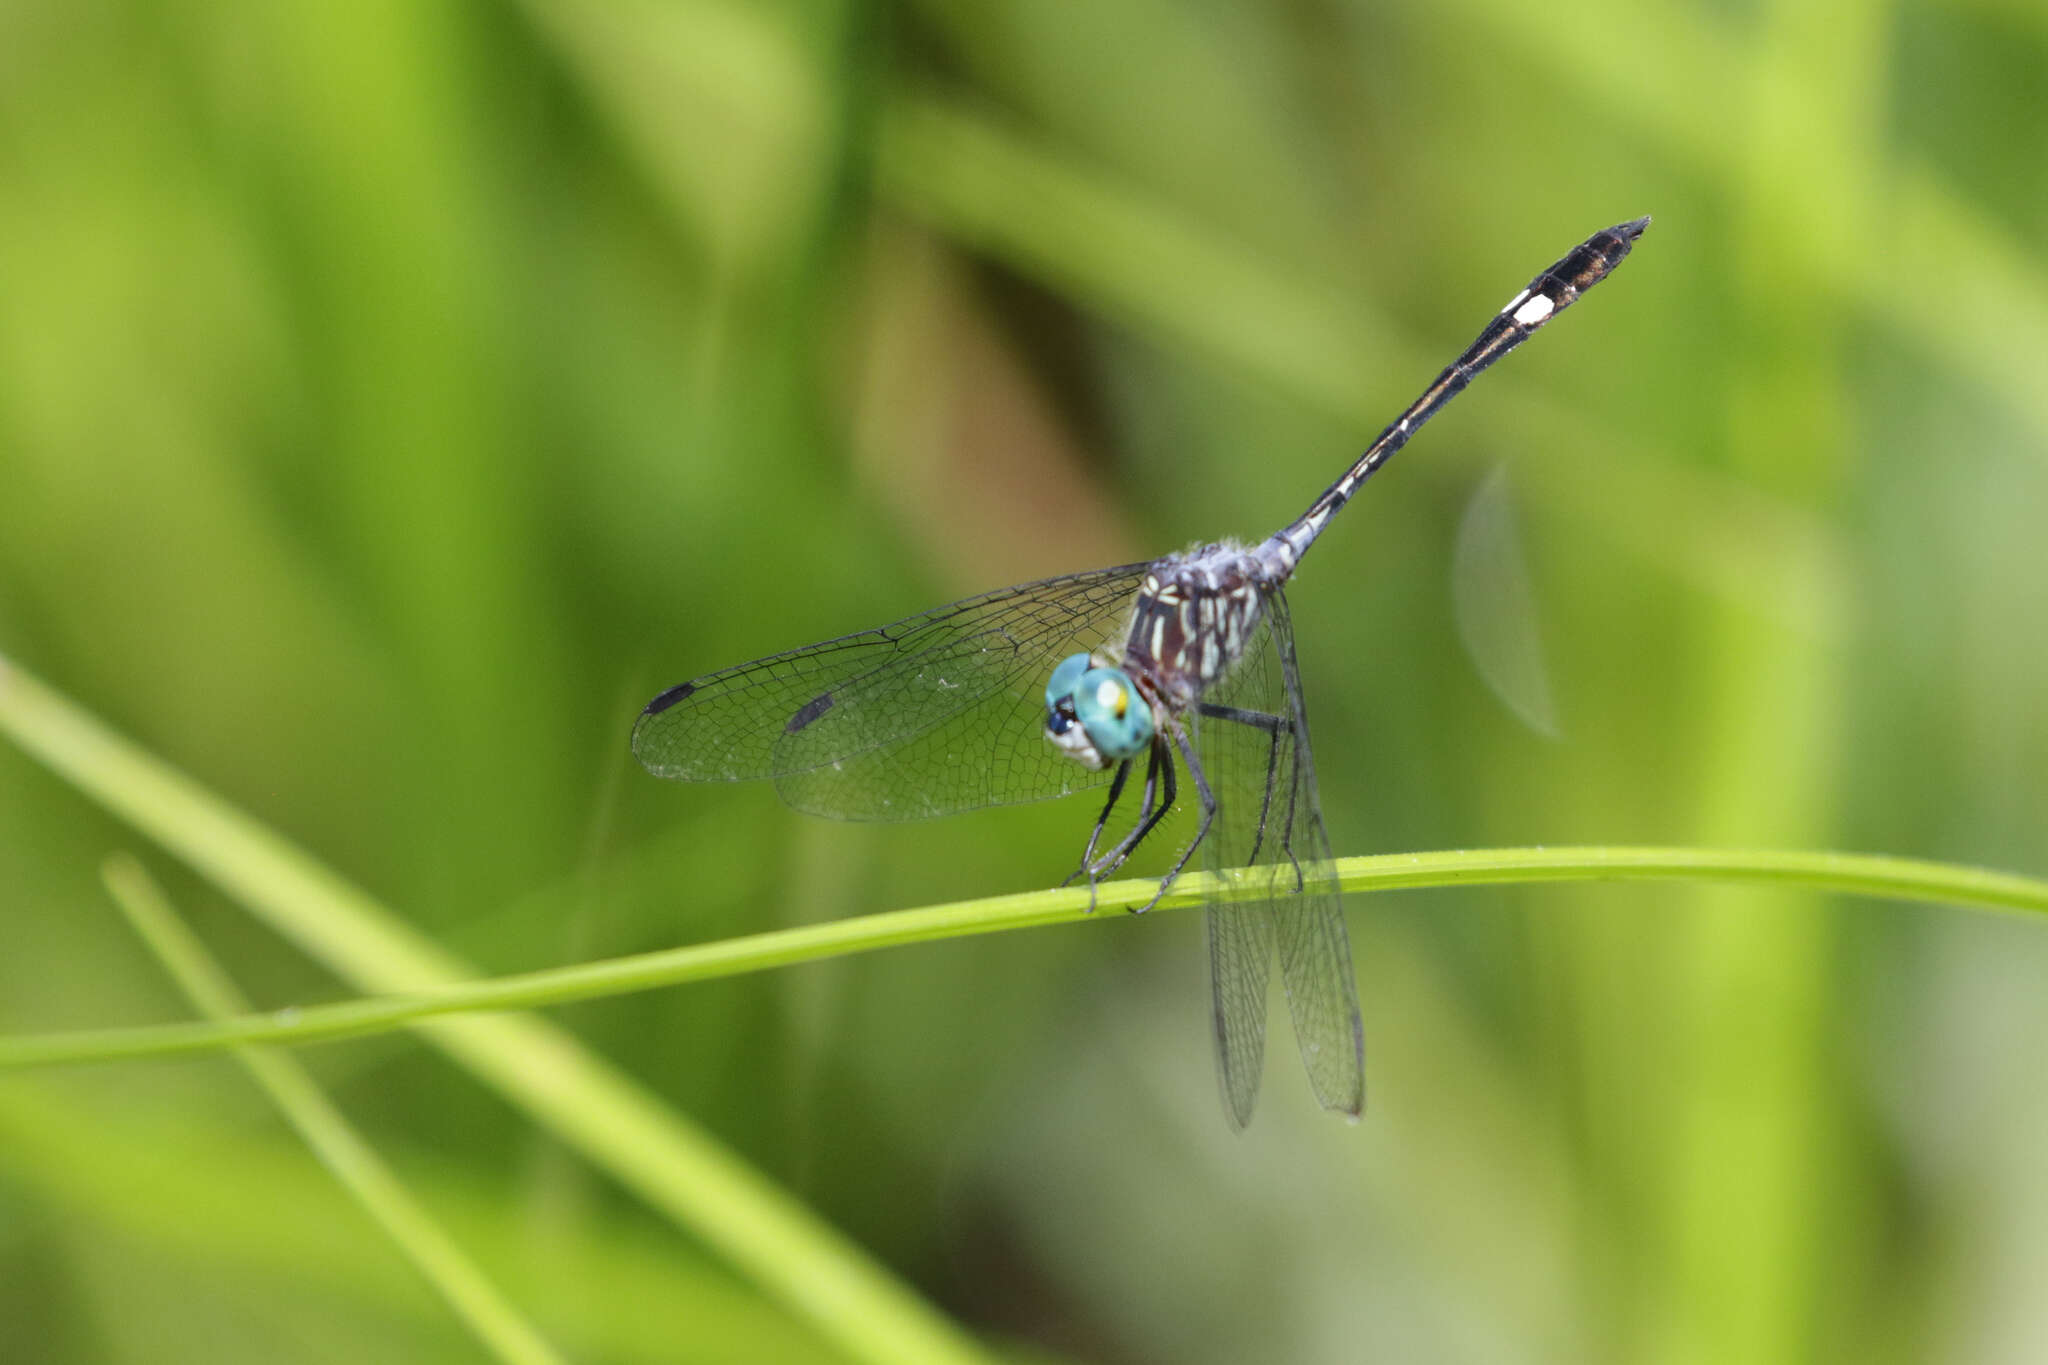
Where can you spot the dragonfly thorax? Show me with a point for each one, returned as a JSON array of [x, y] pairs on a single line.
[[1094, 714], [1194, 614]]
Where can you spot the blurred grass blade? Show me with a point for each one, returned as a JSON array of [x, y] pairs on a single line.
[[351, 1160], [655, 69], [614, 1122], [621, 1294]]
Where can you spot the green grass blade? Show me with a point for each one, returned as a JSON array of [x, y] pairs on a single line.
[[614, 1122], [1841, 873], [502, 1329], [623, 1294]]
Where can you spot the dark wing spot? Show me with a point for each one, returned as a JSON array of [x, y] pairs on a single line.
[[810, 711], [669, 698]]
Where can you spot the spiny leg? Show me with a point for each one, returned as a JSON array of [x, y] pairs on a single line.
[[1209, 808], [1287, 830], [1275, 727], [1161, 764], [1301, 772], [1116, 791], [1293, 801]]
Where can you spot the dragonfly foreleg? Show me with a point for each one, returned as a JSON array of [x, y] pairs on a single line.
[[1159, 780], [1116, 791]]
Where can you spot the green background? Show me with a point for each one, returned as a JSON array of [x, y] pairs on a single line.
[[394, 395]]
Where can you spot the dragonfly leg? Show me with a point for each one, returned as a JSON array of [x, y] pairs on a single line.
[[1208, 798], [1116, 791], [1275, 727], [1161, 783], [1287, 827], [1287, 837]]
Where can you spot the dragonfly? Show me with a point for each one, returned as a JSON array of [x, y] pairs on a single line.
[[1176, 673]]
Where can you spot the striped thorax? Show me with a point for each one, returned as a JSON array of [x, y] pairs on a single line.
[[1194, 614]]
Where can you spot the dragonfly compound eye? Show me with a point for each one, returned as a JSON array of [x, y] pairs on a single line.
[[1065, 679], [1117, 719], [1062, 723]]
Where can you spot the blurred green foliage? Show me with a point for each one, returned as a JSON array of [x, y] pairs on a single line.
[[393, 396]]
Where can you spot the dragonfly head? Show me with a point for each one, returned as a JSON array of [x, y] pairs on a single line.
[[1094, 714]]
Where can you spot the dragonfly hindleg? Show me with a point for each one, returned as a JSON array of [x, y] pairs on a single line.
[[1275, 727]]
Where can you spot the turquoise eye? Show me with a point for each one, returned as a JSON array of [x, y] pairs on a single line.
[[1113, 721], [1111, 711], [1064, 679]]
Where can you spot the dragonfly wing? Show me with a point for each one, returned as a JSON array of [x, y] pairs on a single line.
[[1253, 741], [1322, 990], [1315, 951], [1240, 964], [1239, 739], [936, 713]]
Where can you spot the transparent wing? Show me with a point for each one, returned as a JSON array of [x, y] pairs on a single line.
[[1240, 963], [1252, 736], [936, 713], [1315, 950]]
